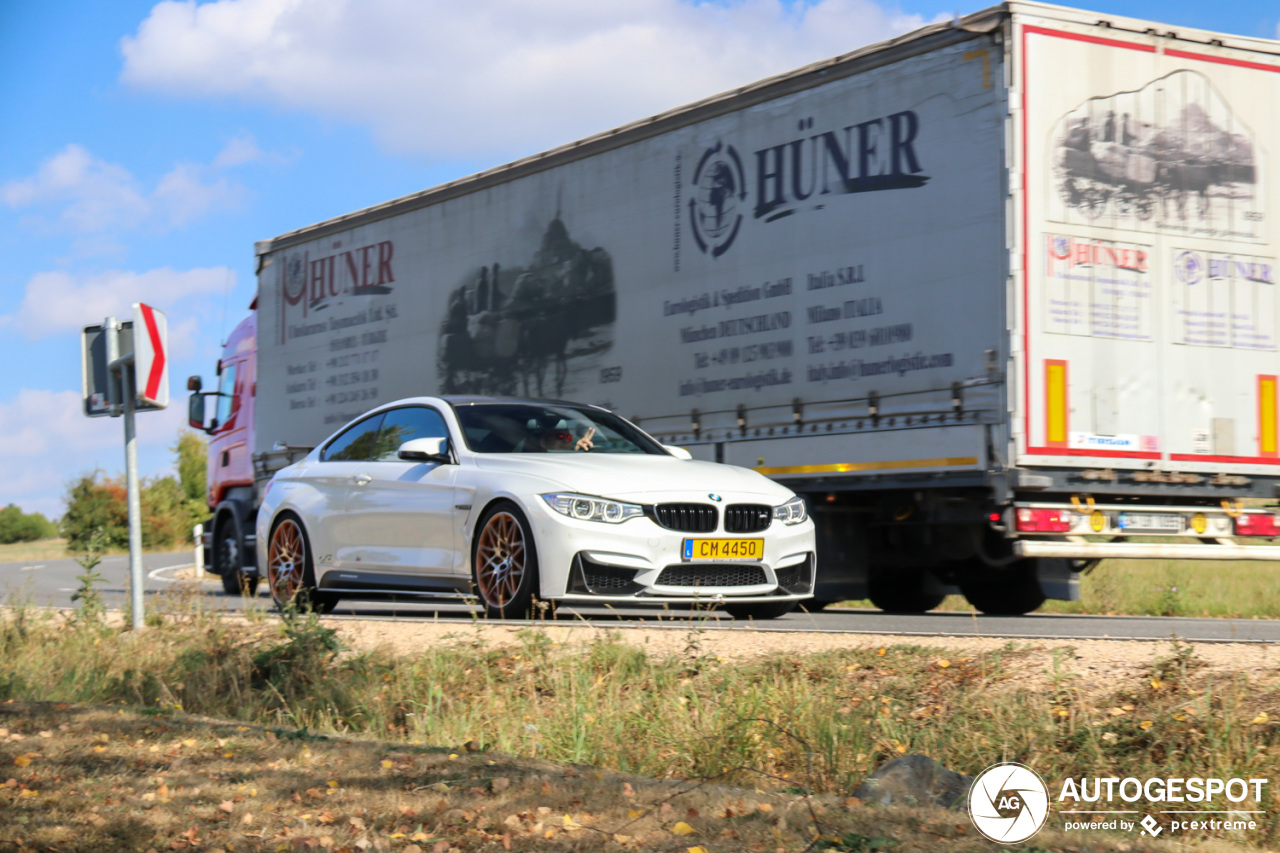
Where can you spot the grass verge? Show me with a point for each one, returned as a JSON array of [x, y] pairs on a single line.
[[814, 725], [1244, 589]]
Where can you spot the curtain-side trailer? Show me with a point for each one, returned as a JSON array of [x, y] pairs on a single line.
[[997, 296]]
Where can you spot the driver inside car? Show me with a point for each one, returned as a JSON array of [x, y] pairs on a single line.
[[561, 438]]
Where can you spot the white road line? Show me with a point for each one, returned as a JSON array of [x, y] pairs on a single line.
[[30, 568], [154, 574]]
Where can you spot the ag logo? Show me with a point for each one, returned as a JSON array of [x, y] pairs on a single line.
[[720, 191], [1008, 803]]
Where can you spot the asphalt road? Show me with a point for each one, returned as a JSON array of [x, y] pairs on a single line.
[[50, 583]]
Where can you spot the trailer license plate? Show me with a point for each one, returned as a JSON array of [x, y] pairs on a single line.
[[1159, 522], [724, 549]]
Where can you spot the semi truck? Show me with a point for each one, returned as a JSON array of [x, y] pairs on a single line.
[[997, 296]]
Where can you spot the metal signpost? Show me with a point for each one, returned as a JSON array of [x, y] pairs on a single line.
[[124, 373]]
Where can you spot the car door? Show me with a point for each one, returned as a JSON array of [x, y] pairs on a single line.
[[402, 513], [343, 465]]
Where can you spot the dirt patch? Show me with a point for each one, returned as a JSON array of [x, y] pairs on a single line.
[[91, 779]]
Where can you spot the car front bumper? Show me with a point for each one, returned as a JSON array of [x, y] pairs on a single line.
[[638, 561]]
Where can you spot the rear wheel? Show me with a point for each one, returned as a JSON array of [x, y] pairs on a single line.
[[504, 563], [228, 559], [291, 576], [903, 592], [759, 609], [1014, 592]]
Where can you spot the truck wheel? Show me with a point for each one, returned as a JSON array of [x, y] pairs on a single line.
[[291, 577], [228, 560], [504, 563], [902, 593], [759, 609], [1013, 593]]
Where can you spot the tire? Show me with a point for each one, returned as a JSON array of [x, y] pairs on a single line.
[[902, 593], [1015, 593], [504, 563], [228, 561], [291, 577], [759, 609]]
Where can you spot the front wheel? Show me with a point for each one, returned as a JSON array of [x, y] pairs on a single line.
[[759, 609], [291, 576], [504, 563], [228, 559]]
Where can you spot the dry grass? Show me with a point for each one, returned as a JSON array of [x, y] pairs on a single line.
[[104, 779], [1244, 589], [41, 549], [718, 737]]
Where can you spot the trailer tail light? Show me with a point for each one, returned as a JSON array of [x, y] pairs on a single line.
[[1043, 520], [1257, 524]]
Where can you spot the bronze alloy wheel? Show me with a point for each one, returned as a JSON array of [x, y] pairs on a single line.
[[500, 559], [286, 562], [505, 564]]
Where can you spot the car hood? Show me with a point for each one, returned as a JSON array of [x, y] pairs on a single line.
[[643, 479]]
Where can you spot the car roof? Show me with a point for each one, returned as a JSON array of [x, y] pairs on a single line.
[[456, 401]]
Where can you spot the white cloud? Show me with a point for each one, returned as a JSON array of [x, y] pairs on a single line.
[[48, 442], [60, 302], [492, 76], [239, 150], [93, 196], [96, 194]]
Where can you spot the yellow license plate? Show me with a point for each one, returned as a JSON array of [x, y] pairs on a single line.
[[724, 549]]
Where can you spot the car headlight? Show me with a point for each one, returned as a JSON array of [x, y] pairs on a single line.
[[793, 511], [587, 508]]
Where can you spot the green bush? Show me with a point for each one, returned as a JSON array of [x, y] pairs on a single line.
[[93, 504], [19, 526], [171, 506]]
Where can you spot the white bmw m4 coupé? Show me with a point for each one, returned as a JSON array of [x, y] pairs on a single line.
[[512, 501]]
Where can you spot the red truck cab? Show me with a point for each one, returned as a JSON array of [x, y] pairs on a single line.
[[232, 498]]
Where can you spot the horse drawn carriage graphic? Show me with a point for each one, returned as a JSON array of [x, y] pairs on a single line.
[[1172, 153], [520, 329]]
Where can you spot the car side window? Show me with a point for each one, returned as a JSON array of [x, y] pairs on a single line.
[[357, 443], [401, 425]]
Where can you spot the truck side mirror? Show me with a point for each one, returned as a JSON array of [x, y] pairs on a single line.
[[195, 383], [195, 411]]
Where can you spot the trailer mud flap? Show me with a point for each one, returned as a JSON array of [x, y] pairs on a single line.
[[1057, 580]]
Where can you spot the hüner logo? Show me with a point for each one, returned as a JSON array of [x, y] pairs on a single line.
[[720, 189]]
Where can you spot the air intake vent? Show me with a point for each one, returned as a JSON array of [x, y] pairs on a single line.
[[747, 518], [711, 574], [686, 518]]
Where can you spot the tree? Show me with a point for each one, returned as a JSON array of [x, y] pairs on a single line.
[[94, 503], [193, 454], [170, 506], [18, 526]]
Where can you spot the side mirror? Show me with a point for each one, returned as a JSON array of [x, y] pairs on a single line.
[[195, 383], [425, 450], [677, 452], [195, 410]]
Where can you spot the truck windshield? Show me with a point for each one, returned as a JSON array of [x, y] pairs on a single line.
[[226, 394], [536, 428]]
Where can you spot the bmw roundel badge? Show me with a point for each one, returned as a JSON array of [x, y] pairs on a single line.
[[715, 497]]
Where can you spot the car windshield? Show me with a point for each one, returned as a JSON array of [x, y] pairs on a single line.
[[549, 428]]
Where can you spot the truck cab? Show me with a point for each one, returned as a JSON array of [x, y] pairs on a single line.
[[231, 495]]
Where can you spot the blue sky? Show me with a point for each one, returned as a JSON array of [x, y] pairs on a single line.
[[146, 146]]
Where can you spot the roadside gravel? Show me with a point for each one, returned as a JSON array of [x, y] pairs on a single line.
[[1098, 666]]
